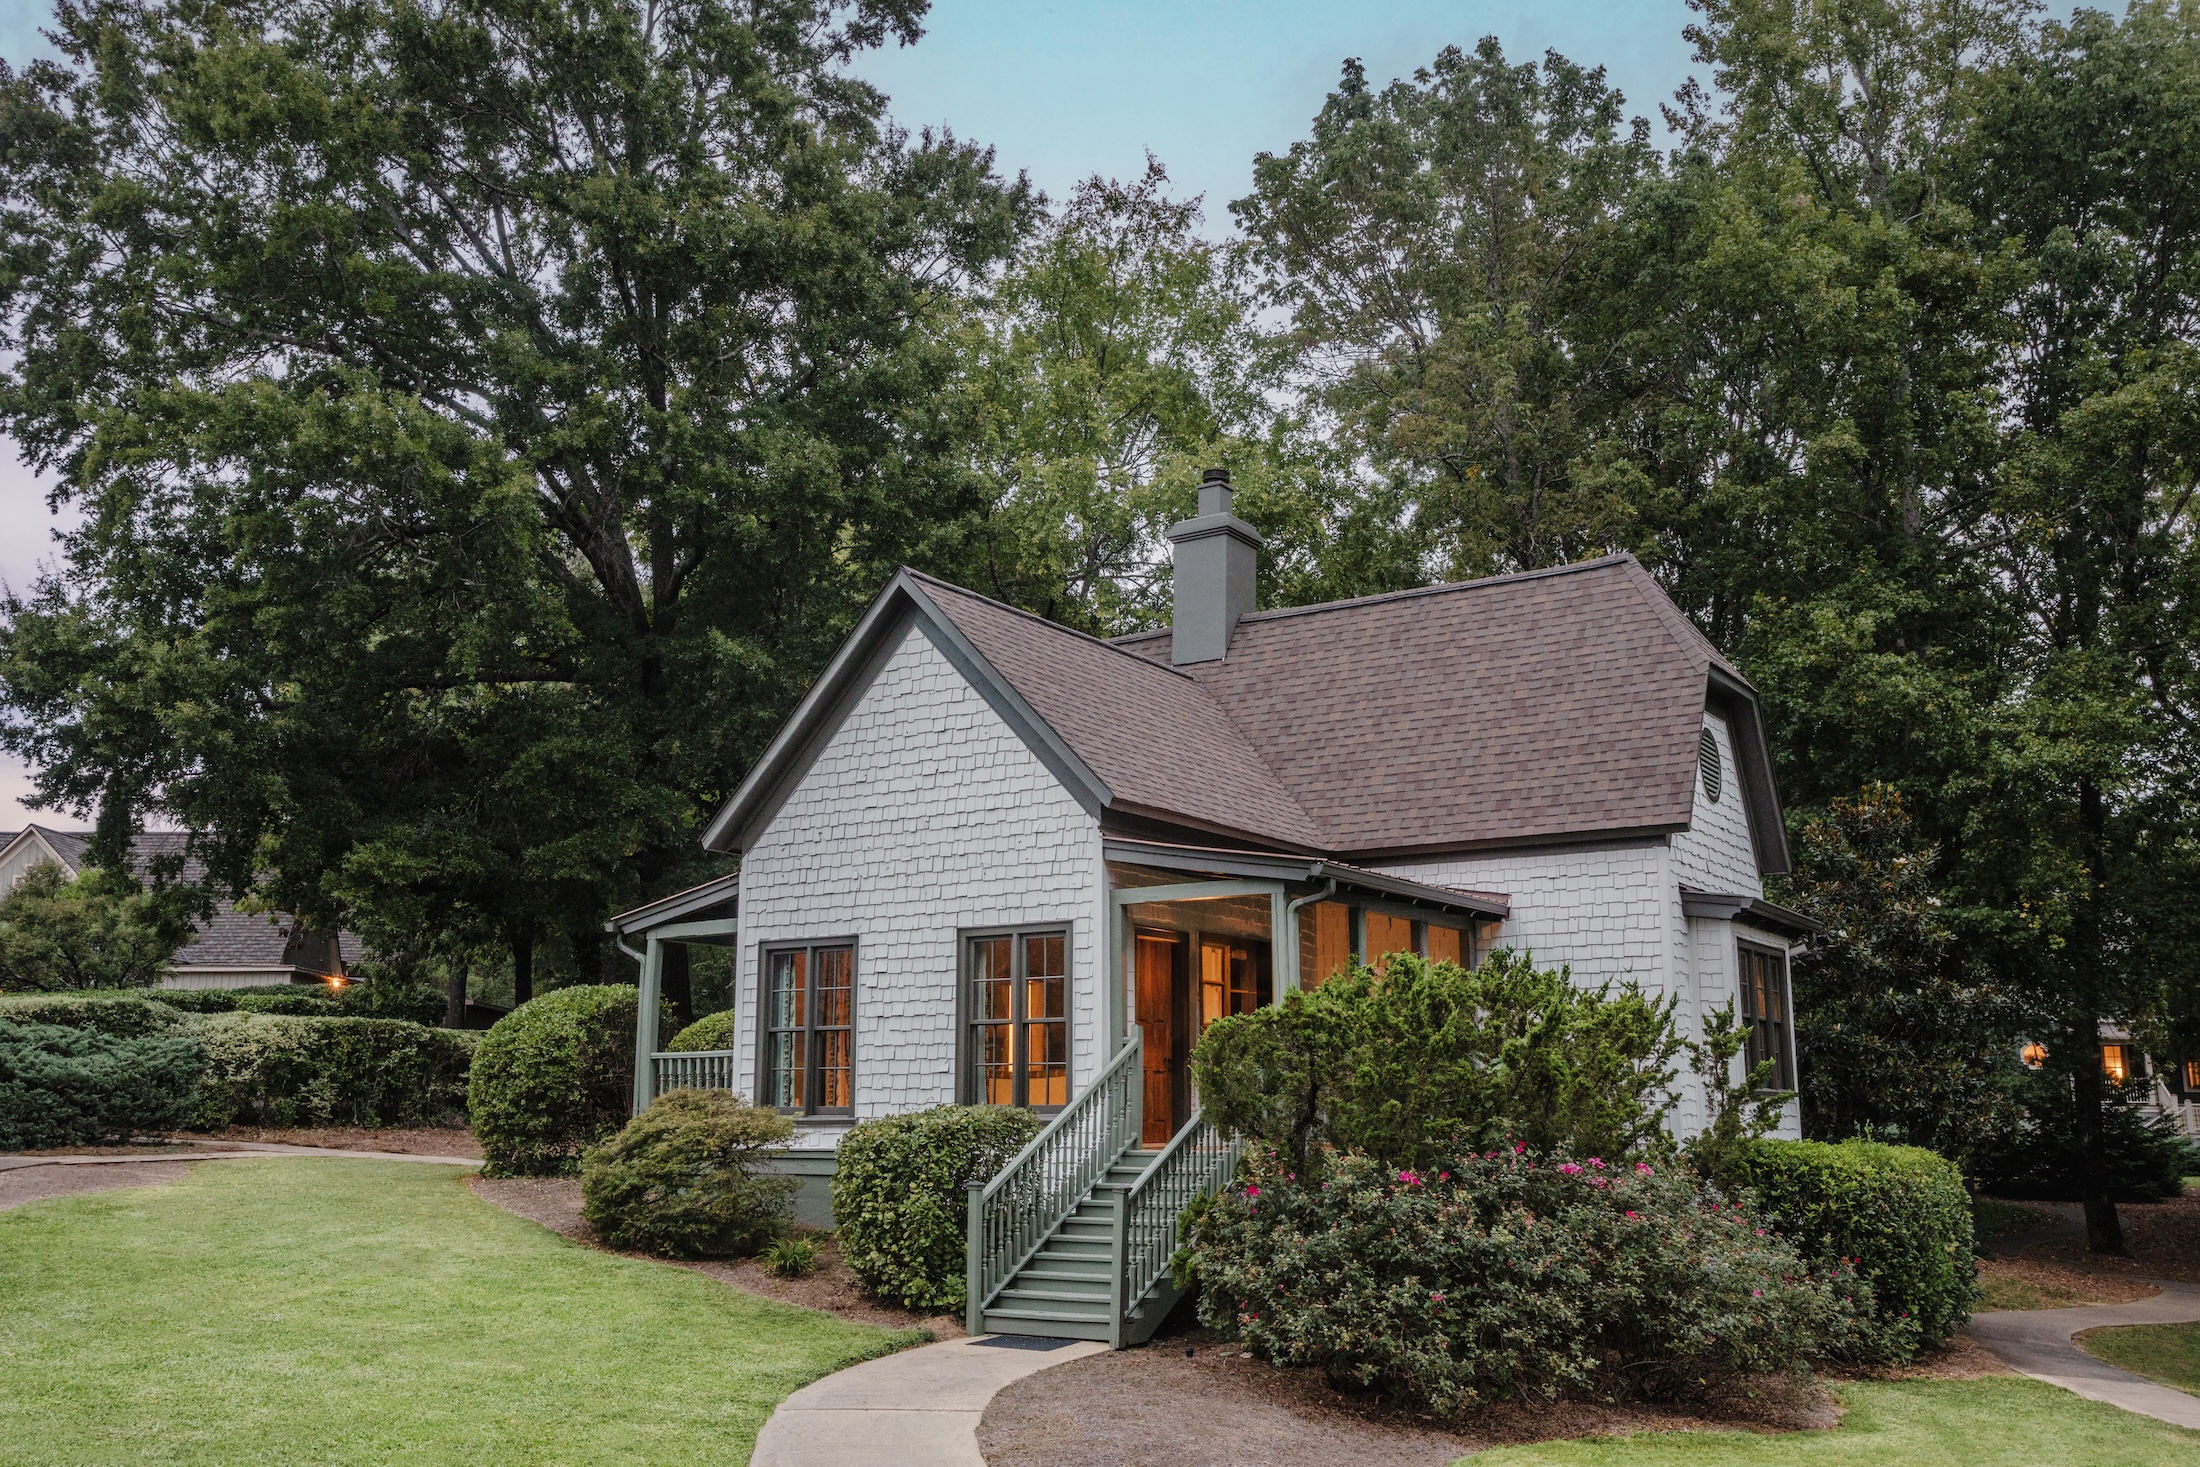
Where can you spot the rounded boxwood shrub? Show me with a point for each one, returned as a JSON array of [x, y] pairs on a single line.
[[687, 1178], [125, 1015], [1899, 1212], [899, 1201], [712, 1031], [290, 1070], [1501, 1276], [69, 1086], [552, 1078]]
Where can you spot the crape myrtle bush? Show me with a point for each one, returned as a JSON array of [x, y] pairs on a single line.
[[1900, 1214], [552, 1078], [68, 1086], [1405, 1065], [1498, 1275], [899, 1200], [712, 1031], [688, 1178], [284, 1070]]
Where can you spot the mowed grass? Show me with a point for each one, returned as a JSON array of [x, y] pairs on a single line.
[[1998, 1421], [325, 1312], [2169, 1353]]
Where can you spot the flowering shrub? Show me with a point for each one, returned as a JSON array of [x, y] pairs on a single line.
[[689, 1178], [1404, 1063], [1900, 1213], [1499, 1275]]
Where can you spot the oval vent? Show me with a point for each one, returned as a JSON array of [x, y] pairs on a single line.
[[1707, 759]]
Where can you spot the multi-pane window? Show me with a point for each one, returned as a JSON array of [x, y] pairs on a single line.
[[1229, 983], [809, 1029], [1018, 1009], [2119, 1062], [2192, 1076], [1765, 1010]]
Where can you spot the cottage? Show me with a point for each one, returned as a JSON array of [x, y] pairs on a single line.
[[994, 860]]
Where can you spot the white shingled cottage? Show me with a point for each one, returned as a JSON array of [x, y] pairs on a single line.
[[993, 860]]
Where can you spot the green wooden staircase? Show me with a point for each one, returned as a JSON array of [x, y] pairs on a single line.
[[1073, 1237]]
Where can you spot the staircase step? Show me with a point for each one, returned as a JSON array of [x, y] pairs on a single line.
[[1040, 1270], [1070, 1253], [1029, 1322], [1051, 1295]]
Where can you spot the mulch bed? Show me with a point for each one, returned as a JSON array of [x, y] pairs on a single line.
[[1191, 1399], [2164, 1238], [555, 1202], [2063, 1286], [37, 1183]]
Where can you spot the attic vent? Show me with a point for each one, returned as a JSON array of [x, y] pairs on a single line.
[[1707, 759]]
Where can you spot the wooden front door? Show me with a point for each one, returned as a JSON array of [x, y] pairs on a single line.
[[1158, 961]]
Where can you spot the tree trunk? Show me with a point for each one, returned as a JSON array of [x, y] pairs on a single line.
[[523, 969], [454, 998], [2104, 1231], [676, 986], [588, 956]]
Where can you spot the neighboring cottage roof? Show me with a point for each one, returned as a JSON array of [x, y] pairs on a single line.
[[228, 939], [1562, 702], [1557, 705]]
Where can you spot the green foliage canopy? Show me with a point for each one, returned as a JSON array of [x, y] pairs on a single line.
[[95, 930]]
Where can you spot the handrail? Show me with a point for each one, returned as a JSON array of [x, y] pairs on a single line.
[[1012, 1215], [1197, 1160], [705, 1069]]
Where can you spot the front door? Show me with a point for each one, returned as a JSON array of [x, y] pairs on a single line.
[[1157, 989]]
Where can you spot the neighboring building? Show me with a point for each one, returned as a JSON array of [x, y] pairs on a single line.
[[990, 856], [231, 950]]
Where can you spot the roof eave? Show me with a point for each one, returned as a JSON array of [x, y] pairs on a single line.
[[1260, 865], [1753, 757]]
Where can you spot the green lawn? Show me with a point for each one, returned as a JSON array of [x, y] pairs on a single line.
[[1999, 1421], [2169, 1353], [350, 1311]]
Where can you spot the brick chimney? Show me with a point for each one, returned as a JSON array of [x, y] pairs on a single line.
[[1217, 557]]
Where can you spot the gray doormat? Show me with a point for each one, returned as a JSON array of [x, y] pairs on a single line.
[[1023, 1342]]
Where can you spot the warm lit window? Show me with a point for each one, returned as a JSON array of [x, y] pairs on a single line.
[[1229, 982], [2119, 1062], [1019, 1019], [1332, 927], [2192, 1077], [1386, 935], [809, 1029], [1765, 1010], [1446, 945]]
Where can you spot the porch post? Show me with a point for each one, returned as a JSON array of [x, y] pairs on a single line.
[[645, 1024], [1283, 928], [1119, 921]]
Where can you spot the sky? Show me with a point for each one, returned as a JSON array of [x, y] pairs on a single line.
[[1065, 90]]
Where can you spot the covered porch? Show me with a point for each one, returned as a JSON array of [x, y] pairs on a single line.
[[705, 915]]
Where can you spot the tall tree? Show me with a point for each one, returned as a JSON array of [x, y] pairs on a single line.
[[488, 414]]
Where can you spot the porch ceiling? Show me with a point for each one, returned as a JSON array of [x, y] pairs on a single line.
[[1303, 871]]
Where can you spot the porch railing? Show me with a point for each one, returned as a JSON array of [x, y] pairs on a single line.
[[1012, 1215], [1197, 1160], [702, 1069]]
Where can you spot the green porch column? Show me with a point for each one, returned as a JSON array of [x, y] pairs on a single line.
[[645, 1024]]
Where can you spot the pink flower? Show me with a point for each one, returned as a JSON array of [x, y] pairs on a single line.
[[1409, 1179], [1567, 1168], [1519, 1146], [1595, 1162], [1756, 1293], [1436, 1298], [1252, 1191], [1632, 1213], [1443, 1176], [1642, 1169]]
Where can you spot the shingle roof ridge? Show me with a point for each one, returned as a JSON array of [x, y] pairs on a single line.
[[1033, 616], [1601, 562], [1686, 634]]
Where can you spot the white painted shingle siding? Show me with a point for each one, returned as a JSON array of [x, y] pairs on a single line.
[[1714, 853], [923, 815]]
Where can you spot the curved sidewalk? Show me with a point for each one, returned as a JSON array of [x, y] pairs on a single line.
[[2038, 1343], [919, 1408]]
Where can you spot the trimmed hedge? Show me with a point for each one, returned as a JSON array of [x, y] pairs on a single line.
[[686, 1178], [1502, 1275], [124, 1015], [1900, 1212], [288, 1070], [712, 1031], [70, 1086], [899, 1201], [552, 1078]]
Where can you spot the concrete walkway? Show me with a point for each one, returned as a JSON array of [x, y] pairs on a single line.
[[2038, 1343], [228, 1151], [919, 1408]]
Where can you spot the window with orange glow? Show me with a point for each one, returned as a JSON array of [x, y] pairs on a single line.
[[1387, 935], [1446, 944], [808, 1061], [2033, 1055], [1017, 1015], [1332, 927], [2118, 1061]]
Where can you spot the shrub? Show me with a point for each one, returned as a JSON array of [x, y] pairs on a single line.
[[295, 999], [552, 1078], [791, 1257], [123, 1015], [712, 1031], [68, 1086], [198, 1000], [1502, 1276], [1406, 1064], [287, 1070], [686, 1178], [1900, 1212], [2146, 1160], [899, 1201], [392, 998]]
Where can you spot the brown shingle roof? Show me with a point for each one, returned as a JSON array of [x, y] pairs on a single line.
[[1153, 735], [1564, 702]]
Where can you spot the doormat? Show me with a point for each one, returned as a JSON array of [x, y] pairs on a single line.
[[1023, 1342]]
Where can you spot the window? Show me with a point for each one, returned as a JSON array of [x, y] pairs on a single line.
[[1765, 1010], [1707, 761], [2119, 1062], [1018, 1008], [2192, 1077], [808, 1060], [1386, 935], [1229, 982]]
